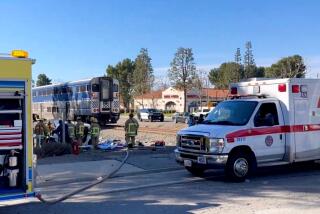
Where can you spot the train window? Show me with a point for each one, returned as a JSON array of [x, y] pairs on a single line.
[[50, 92], [69, 90], [49, 109], [54, 109], [64, 90], [115, 88], [55, 91], [95, 88], [105, 89], [88, 88], [83, 88], [78, 89], [34, 93]]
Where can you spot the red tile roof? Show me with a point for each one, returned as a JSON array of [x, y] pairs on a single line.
[[215, 93], [151, 95]]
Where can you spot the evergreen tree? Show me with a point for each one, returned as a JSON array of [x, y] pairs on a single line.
[[288, 67], [43, 80], [237, 57], [249, 63], [123, 72], [143, 77]]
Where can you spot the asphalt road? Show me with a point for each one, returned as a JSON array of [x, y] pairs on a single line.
[[294, 189]]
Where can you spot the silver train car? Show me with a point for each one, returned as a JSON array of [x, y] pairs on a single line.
[[96, 97]]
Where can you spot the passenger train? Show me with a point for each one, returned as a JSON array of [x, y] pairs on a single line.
[[96, 97]]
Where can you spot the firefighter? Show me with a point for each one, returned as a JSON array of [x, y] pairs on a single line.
[[51, 127], [79, 130], [94, 132], [41, 131], [71, 131], [131, 128]]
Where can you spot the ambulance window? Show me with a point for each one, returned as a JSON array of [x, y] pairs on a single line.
[[267, 115]]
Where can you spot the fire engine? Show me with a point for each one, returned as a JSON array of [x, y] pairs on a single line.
[[264, 122], [16, 144]]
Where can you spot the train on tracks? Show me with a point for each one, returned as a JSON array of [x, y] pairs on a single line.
[[95, 97]]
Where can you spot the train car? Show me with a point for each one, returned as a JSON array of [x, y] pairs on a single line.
[[96, 97]]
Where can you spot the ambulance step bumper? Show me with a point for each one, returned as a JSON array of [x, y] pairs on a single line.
[[207, 161]]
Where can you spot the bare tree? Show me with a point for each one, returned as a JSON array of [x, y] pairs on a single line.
[[183, 71]]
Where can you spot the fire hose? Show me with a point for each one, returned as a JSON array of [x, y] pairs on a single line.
[[97, 181]]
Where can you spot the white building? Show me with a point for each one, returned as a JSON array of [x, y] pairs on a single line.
[[173, 99]]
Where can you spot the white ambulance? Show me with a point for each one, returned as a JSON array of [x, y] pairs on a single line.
[[264, 122]]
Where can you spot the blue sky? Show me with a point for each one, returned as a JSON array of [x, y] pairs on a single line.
[[75, 39]]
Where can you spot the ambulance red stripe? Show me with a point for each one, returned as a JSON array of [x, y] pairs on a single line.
[[271, 130]]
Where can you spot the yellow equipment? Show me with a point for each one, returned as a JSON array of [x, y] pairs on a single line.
[[16, 138]]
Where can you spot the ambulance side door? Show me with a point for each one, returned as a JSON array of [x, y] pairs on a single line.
[[269, 141]]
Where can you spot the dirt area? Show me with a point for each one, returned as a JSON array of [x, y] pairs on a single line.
[[166, 129]]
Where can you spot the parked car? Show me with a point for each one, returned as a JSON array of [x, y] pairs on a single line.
[[150, 114], [181, 117], [203, 111]]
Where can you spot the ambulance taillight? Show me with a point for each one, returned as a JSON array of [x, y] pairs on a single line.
[[282, 87], [295, 89], [234, 90]]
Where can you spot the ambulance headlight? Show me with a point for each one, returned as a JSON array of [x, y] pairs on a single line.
[[216, 144]]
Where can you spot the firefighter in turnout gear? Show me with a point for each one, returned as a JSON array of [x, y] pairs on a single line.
[[79, 131], [94, 132], [131, 128], [71, 131], [41, 131]]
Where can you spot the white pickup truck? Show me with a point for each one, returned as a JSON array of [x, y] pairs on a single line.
[[203, 111], [265, 122]]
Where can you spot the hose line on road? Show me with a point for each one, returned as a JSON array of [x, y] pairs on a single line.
[[96, 182]]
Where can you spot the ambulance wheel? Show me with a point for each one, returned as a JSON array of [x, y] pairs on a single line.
[[239, 166], [195, 171]]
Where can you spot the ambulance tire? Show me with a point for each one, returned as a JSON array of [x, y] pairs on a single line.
[[195, 171], [239, 166]]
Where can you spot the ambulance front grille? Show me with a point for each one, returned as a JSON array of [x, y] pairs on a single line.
[[193, 143]]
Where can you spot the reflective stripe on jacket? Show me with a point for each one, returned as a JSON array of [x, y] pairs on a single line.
[[80, 129], [132, 129], [95, 130], [71, 130]]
